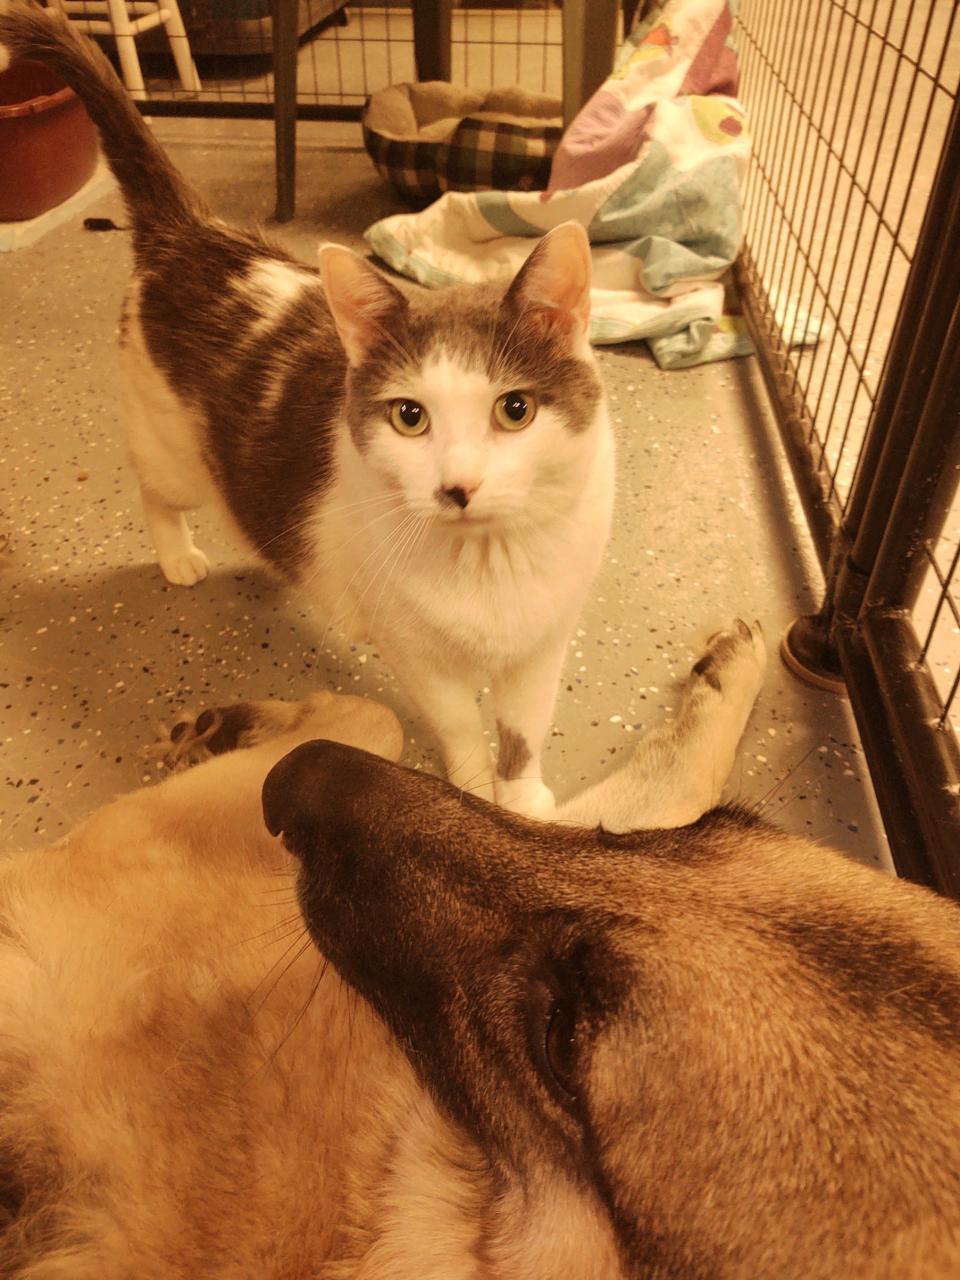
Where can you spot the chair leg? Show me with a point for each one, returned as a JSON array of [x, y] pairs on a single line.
[[127, 49], [180, 48]]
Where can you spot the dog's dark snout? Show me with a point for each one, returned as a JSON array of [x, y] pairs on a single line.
[[285, 797], [316, 792], [300, 791]]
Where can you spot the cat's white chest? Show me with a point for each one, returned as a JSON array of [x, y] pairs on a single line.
[[481, 600], [469, 597]]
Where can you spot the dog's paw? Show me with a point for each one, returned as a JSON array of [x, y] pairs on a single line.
[[211, 733], [734, 663]]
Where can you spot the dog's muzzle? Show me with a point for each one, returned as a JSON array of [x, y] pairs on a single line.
[[313, 791]]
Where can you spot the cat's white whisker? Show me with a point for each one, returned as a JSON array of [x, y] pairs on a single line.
[[498, 357], [387, 335], [387, 541], [393, 550], [364, 502], [354, 535], [414, 534]]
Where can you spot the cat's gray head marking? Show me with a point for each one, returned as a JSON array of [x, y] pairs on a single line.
[[477, 403]]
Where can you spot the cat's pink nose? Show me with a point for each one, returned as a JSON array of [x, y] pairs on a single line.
[[458, 494]]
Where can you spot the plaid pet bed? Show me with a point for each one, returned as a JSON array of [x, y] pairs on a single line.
[[651, 168], [481, 155]]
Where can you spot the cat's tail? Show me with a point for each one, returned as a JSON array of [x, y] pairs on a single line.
[[153, 190]]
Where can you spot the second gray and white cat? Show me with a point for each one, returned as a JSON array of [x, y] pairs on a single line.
[[434, 469]]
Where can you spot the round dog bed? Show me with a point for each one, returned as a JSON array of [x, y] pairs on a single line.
[[429, 138]]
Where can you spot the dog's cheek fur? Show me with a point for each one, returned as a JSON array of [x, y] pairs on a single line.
[[810, 1100], [443, 1211], [456, 1017], [450, 981], [32, 1174]]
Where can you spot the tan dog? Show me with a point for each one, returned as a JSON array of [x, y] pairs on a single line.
[[558, 1053]]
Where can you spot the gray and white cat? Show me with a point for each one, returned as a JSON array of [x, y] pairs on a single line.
[[435, 469]]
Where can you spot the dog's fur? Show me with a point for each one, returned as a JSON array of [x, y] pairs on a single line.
[[558, 1053]]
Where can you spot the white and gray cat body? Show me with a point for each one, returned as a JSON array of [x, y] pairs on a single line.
[[435, 469]]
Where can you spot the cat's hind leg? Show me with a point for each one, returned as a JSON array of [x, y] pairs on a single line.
[[182, 562], [164, 441]]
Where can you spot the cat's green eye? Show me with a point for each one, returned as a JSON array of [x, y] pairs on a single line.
[[515, 410], [408, 417]]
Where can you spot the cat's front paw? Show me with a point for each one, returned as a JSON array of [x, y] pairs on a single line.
[[185, 568], [528, 796]]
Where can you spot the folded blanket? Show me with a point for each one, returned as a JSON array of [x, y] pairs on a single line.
[[651, 167]]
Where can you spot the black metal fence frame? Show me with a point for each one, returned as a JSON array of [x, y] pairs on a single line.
[[875, 549]]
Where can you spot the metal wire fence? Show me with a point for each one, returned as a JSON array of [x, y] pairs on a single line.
[[850, 102], [345, 51], [850, 277]]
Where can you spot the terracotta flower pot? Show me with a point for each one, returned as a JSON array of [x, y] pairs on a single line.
[[48, 145]]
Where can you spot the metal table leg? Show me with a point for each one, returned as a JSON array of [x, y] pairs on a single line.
[[431, 38], [284, 14], [589, 43]]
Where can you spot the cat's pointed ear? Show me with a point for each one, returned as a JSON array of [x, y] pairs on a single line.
[[554, 282], [362, 302]]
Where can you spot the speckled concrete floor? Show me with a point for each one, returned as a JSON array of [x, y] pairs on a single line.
[[97, 651]]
